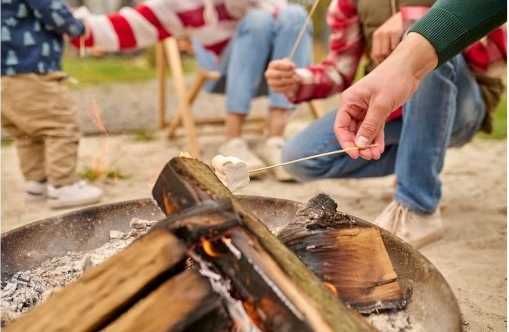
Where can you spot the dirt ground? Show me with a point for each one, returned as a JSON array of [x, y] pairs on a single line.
[[472, 255]]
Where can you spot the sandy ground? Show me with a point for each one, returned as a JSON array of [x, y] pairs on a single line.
[[472, 255]]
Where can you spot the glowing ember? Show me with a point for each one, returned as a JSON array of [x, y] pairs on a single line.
[[209, 249]]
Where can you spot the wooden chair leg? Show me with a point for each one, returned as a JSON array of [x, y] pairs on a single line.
[[161, 88], [183, 110], [200, 80]]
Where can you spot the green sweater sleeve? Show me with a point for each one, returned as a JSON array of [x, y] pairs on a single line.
[[452, 25]]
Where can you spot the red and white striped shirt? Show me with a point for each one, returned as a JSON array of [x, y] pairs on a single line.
[[346, 47], [213, 22]]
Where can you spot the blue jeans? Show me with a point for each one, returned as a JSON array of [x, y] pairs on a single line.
[[260, 38], [447, 110]]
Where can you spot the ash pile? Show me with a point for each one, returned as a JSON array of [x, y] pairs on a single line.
[[26, 289]]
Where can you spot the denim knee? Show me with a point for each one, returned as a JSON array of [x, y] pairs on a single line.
[[304, 170], [293, 16], [258, 22], [447, 69]]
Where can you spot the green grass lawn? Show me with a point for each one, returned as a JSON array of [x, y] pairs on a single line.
[[91, 71], [114, 69]]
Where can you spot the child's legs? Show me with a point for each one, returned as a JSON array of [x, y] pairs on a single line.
[[30, 149], [42, 109]]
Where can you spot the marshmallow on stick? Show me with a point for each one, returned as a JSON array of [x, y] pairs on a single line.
[[231, 171]]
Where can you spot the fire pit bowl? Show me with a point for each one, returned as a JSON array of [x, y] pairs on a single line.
[[433, 306]]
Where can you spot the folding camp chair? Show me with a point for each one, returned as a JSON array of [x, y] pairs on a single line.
[[167, 52]]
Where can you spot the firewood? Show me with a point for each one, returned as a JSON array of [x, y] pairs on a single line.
[[350, 257], [186, 182], [107, 290], [177, 303]]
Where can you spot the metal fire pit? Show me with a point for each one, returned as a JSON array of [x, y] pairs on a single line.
[[433, 306]]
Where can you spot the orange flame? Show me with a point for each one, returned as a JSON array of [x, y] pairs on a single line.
[[209, 249]]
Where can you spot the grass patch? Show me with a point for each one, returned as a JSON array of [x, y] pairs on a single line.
[[91, 71], [143, 135], [7, 141], [94, 174], [116, 69]]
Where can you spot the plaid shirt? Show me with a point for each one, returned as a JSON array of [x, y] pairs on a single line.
[[346, 47]]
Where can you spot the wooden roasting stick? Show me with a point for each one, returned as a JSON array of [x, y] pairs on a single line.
[[187, 182], [315, 156]]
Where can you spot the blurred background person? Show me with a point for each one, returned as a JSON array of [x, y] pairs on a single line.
[[238, 38]]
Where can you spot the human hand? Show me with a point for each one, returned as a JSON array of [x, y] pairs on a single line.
[[386, 38], [282, 77], [366, 104]]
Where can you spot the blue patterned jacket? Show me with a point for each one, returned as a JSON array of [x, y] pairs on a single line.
[[32, 35]]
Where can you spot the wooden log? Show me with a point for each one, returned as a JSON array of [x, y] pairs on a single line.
[[176, 304], [255, 281], [185, 182], [104, 292]]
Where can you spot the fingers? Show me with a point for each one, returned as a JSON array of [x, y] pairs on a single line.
[[371, 129], [345, 128], [381, 46], [281, 77], [395, 38], [374, 152]]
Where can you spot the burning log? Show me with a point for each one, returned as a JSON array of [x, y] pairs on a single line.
[[350, 258], [159, 312], [307, 304]]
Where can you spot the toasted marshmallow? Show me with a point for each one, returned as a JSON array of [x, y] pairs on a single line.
[[231, 171]]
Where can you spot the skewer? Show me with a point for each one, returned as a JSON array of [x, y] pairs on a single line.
[[330, 153], [303, 29]]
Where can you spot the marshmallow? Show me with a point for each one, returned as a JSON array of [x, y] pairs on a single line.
[[231, 171]]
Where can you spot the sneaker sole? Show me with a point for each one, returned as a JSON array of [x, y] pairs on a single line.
[[30, 197], [54, 204]]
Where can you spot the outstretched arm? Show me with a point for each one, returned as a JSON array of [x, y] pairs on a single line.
[[332, 75], [440, 35]]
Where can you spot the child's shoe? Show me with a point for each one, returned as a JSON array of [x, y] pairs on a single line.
[[35, 190], [79, 193]]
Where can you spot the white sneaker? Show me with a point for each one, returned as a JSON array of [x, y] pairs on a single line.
[[414, 228], [35, 190], [79, 193], [237, 147], [271, 152]]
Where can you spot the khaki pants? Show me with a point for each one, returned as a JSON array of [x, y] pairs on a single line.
[[37, 111]]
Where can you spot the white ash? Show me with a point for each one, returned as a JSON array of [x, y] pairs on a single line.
[[26, 289], [399, 321]]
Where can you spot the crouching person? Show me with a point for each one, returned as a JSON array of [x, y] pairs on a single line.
[[450, 106], [37, 111]]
